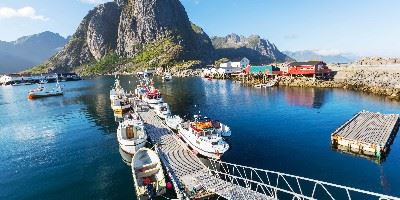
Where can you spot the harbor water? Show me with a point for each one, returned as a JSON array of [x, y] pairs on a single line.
[[66, 147]]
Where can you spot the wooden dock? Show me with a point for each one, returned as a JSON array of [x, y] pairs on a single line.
[[367, 133], [191, 178]]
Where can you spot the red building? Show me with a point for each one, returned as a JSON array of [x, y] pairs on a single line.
[[311, 68]]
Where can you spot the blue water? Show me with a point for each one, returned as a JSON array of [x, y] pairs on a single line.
[[66, 147]]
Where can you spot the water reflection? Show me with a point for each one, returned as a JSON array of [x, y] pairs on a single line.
[[306, 97]]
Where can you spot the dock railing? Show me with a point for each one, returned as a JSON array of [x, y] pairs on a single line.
[[278, 185]]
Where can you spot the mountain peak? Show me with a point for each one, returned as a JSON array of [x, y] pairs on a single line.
[[258, 50]]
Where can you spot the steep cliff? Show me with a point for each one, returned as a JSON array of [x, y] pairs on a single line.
[[125, 28]]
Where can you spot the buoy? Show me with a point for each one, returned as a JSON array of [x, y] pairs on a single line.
[[169, 186]]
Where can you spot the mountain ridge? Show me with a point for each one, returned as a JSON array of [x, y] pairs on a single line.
[[29, 50]]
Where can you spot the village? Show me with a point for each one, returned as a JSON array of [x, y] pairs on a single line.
[[242, 70]]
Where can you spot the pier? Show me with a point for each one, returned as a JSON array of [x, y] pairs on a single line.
[[367, 133], [192, 179]]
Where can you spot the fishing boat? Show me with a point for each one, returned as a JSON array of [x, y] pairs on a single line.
[[140, 90], [131, 135], [148, 175], [120, 106], [173, 121], [41, 92], [153, 97], [201, 136], [162, 110], [117, 91], [167, 77]]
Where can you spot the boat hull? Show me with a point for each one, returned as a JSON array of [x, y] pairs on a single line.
[[194, 143], [37, 96]]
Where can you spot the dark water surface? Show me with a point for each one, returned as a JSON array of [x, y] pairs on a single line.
[[66, 147]]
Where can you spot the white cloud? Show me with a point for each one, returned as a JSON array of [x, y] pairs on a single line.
[[26, 12], [329, 52], [95, 1]]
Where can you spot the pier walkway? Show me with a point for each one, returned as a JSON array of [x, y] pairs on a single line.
[[186, 170], [193, 180]]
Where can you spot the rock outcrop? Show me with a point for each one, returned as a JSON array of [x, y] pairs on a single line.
[[124, 27], [378, 61], [258, 50]]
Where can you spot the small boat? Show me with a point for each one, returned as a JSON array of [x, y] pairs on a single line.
[[117, 91], [28, 83], [173, 121], [148, 175], [119, 106], [162, 110], [201, 136], [140, 91], [167, 77], [131, 136], [43, 81], [267, 85], [16, 84], [41, 92], [153, 97]]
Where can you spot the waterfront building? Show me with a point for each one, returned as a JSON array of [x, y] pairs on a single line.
[[267, 70], [310, 68], [236, 63]]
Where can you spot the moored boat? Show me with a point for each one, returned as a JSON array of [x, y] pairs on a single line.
[[117, 91], [167, 76], [153, 97], [162, 110], [202, 138], [120, 106], [42, 91], [148, 175], [131, 136], [173, 121]]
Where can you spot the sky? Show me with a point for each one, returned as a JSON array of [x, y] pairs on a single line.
[[361, 27]]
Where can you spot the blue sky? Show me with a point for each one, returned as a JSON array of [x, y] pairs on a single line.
[[362, 27]]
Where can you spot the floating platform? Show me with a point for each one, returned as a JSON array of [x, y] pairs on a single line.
[[367, 133]]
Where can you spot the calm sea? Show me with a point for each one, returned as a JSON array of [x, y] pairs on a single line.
[[66, 147]]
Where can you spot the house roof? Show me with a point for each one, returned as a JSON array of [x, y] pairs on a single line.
[[305, 63]]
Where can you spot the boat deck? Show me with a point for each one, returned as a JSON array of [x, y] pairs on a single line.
[[185, 169], [367, 132]]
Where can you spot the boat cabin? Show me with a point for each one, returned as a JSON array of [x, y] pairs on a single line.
[[131, 132]]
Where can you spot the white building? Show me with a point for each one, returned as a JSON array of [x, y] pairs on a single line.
[[238, 64], [229, 70]]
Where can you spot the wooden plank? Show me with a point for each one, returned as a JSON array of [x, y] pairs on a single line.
[[367, 129]]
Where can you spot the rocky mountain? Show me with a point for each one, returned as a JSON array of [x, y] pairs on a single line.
[[132, 33], [29, 51], [258, 50], [307, 55]]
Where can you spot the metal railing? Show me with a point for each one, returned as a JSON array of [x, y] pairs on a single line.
[[278, 185]]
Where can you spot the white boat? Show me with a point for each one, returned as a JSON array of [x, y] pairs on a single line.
[[219, 128], [162, 110], [153, 97], [140, 91], [203, 139], [167, 77], [267, 85], [148, 175], [117, 91], [173, 121], [119, 106], [131, 136], [43, 81], [41, 92], [16, 84]]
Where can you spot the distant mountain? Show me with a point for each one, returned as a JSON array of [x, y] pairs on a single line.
[[258, 50], [28, 51], [307, 55]]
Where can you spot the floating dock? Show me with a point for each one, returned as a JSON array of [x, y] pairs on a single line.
[[191, 178], [367, 133]]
